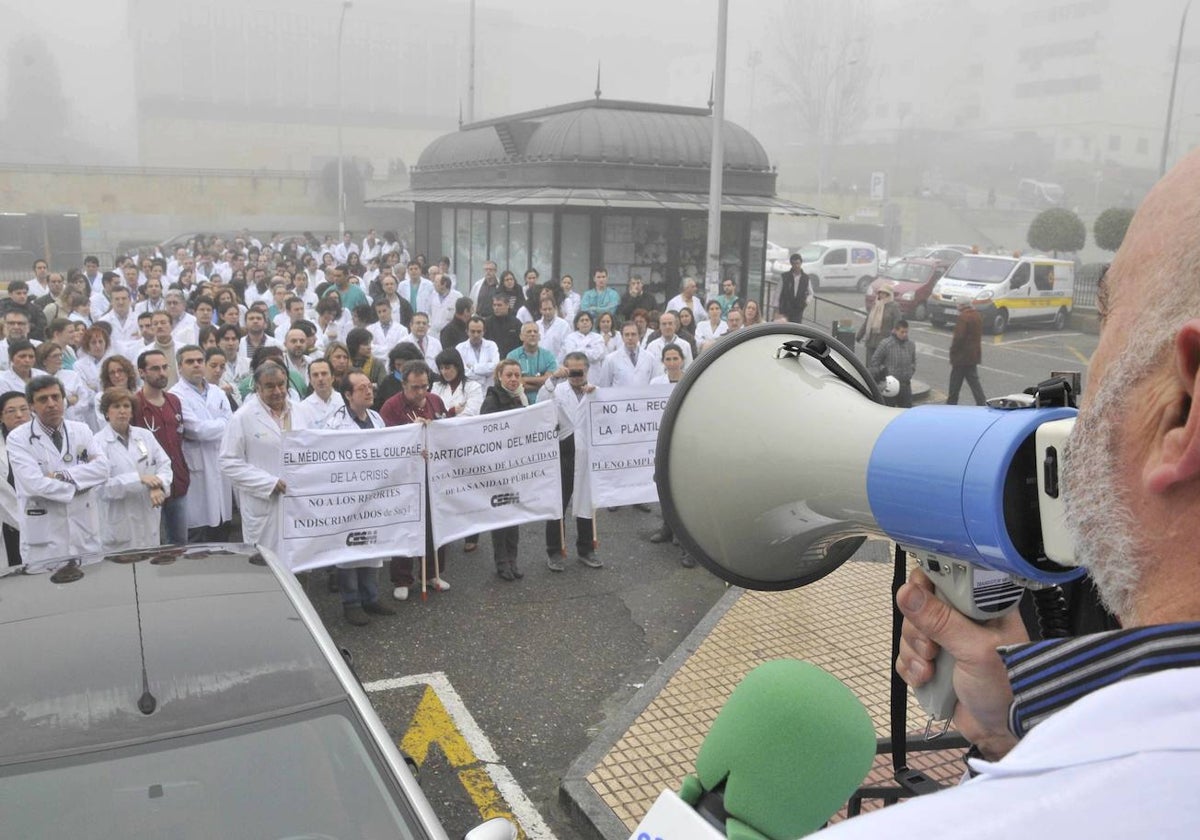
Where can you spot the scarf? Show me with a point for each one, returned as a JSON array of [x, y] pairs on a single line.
[[518, 395], [875, 316]]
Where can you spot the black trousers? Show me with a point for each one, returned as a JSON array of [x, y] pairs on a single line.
[[969, 374], [583, 524], [505, 544]]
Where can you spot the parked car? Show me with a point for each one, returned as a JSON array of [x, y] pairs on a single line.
[[840, 263], [947, 253], [912, 281], [190, 692]]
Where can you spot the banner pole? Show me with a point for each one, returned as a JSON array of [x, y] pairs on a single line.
[[424, 595]]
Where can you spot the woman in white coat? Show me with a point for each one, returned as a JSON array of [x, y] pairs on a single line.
[[139, 476], [252, 455], [14, 412], [584, 340]]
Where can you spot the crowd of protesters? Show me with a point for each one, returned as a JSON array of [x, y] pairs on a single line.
[[146, 402]]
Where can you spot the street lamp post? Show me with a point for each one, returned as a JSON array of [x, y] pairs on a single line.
[[341, 165], [712, 273], [1162, 162]]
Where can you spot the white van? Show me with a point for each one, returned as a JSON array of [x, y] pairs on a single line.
[[840, 264], [1004, 289]]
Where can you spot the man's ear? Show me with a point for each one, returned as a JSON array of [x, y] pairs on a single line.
[[1178, 456]]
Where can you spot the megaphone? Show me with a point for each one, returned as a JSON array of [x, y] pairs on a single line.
[[821, 465]]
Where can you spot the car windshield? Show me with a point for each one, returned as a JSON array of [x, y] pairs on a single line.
[[980, 269], [909, 272], [812, 253], [309, 774]]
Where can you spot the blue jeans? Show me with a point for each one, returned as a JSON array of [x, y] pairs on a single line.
[[173, 528], [359, 586]]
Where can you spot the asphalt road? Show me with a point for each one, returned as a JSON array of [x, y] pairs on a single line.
[[538, 666], [1022, 356]]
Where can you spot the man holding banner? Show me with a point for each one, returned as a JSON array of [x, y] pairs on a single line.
[[358, 580], [573, 461], [414, 404]]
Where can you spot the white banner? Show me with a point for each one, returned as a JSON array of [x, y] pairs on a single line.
[[494, 470], [622, 425], [353, 495]]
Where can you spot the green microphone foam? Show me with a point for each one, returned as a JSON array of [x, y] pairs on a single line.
[[792, 744]]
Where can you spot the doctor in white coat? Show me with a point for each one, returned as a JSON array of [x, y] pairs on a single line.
[[358, 580], [252, 455], [206, 415], [56, 479], [569, 396], [139, 476]]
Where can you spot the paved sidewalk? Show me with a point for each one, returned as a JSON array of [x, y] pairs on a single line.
[[841, 623]]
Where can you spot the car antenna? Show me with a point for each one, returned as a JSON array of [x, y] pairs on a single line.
[[147, 703]]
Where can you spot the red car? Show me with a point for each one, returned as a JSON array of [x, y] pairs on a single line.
[[912, 281]]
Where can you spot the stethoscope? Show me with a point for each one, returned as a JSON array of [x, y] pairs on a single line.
[[66, 457]]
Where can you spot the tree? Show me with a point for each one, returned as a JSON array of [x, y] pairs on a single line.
[[1057, 229], [825, 79], [1110, 226]]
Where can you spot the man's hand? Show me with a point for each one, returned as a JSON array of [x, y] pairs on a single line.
[[157, 497], [280, 486], [980, 680], [152, 481]]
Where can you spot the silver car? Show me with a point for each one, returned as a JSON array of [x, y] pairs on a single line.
[[189, 692]]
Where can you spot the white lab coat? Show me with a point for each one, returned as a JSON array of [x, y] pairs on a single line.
[[619, 372], [316, 410], [209, 500], [433, 346], [572, 415], [442, 310], [129, 519], [59, 519], [590, 345], [8, 496], [480, 364], [425, 293], [383, 340], [342, 420], [467, 399], [84, 409], [252, 459]]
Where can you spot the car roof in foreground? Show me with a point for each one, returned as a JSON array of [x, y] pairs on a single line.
[[222, 643]]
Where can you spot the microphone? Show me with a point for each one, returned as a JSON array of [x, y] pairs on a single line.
[[788, 749]]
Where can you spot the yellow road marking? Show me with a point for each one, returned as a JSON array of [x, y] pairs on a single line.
[[1087, 360], [431, 724]]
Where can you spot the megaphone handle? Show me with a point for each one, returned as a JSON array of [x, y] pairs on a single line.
[[937, 696]]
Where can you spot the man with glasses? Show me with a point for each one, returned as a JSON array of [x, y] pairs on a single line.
[[206, 414], [414, 404], [252, 455], [16, 328]]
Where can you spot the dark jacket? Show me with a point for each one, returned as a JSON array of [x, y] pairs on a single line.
[[453, 334], [506, 332], [629, 303], [497, 399], [966, 344], [793, 299], [894, 357]]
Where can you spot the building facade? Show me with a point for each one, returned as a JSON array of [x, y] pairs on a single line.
[[622, 185]]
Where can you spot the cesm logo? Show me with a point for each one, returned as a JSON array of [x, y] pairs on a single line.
[[502, 499], [359, 538]]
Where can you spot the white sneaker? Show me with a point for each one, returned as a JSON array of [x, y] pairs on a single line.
[[439, 585], [400, 593]]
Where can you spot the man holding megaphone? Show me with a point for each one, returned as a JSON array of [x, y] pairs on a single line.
[[1096, 736]]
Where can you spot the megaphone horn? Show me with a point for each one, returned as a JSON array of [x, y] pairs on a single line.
[[787, 503]]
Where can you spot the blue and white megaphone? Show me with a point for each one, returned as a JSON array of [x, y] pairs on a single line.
[[776, 461]]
